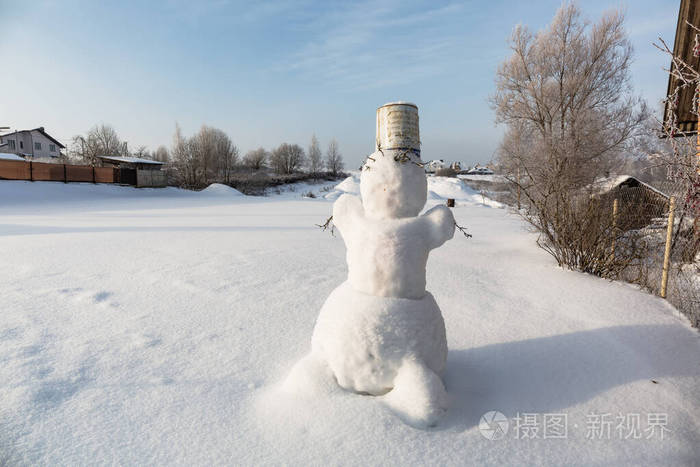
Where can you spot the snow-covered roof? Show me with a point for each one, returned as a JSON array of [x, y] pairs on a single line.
[[130, 160], [603, 185], [10, 157]]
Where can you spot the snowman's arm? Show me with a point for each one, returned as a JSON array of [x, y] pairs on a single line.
[[440, 225], [346, 210]]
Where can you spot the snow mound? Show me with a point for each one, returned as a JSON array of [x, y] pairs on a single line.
[[442, 188], [350, 185], [219, 189], [449, 187]]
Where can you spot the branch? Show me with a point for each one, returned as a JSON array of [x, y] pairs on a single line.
[[326, 225], [462, 229]]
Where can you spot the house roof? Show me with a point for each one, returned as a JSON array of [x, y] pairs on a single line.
[[604, 185], [40, 130], [130, 160]]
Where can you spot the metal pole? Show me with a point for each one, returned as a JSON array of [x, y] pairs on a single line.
[[667, 252]]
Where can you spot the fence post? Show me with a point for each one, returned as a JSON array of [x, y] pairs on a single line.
[[31, 172], [65, 175], [93, 175], [518, 188], [614, 228], [667, 252]]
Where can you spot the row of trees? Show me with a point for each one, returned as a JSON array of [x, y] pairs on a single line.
[[290, 158], [210, 155]]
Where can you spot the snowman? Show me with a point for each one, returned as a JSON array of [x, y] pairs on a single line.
[[380, 332]]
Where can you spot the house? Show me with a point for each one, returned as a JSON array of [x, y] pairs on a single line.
[[480, 171], [31, 144], [434, 165]]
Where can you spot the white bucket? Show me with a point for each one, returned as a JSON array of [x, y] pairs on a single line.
[[397, 127]]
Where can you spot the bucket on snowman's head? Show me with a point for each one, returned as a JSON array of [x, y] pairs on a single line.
[[397, 127]]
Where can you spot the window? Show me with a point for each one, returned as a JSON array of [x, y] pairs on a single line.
[[52, 147], [37, 146], [11, 144], [21, 144]]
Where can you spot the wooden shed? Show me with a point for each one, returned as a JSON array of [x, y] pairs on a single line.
[[639, 204], [137, 171]]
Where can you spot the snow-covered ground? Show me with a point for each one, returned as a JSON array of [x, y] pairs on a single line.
[[146, 326]]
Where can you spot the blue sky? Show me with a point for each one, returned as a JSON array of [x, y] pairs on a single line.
[[279, 71]]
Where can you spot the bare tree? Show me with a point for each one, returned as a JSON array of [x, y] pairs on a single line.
[[287, 158], [184, 159], [101, 140], [334, 160], [256, 158], [315, 162], [209, 155], [161, 154], [565, 97], [225, 155], [142, 152], [214, 155]]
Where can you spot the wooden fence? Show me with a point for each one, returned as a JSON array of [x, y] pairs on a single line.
[[45, 172]]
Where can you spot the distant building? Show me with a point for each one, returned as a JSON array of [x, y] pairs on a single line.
[[130, 163], [136, 171], [31, 144], [480, 171], [640, 204], [434, 165]]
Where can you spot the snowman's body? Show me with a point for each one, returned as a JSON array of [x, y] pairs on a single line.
[[380, 331]]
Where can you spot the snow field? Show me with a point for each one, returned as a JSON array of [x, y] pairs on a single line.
[[156, 327]]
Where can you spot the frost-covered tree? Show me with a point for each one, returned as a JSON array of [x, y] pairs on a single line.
[[334, 159], [209, 155], [184, 159], [567, 91], [287, 158], [565, 98], [315, 156], [161, 154], [256, 158], [226, 156]]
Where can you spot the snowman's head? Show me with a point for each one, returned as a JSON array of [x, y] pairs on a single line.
[[393, 188]]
